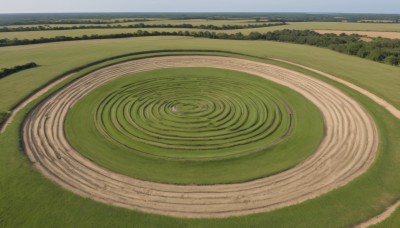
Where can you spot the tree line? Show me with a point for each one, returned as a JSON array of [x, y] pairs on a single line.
[[54, 22], [108, 18], [140, 25], [379, 49], [7, 71]]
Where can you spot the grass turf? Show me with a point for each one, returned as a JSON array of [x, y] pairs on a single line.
[[57, 58], [28, 199], [195, 165], [377, 27], [392, 221]]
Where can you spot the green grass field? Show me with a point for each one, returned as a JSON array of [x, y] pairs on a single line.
[[392, 221], [82, 32], [184, 145], [28, 199], [57, 58], [378, 27]]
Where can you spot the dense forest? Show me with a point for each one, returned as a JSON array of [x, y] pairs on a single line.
[[8, 71], [140, 25], [379, 49]]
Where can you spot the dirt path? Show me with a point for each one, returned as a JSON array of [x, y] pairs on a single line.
[[29, 100], [389, 107], [381, 217], [393, 110], [346, 151]]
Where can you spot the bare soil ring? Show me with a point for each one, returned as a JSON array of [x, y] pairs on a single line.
[[347, 150]]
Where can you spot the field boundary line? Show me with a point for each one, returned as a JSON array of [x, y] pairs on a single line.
[[29, 99], [381, 217]]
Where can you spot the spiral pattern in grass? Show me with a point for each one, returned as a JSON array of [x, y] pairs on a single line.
[[193, 125], [193, 117], [347, 149]]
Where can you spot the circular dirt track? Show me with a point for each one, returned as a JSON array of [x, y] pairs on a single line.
[[346, 151]]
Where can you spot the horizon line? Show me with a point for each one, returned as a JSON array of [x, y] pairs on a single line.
[[194, 12]]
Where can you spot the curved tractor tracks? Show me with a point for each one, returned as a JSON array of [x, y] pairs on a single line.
[[348, 148]]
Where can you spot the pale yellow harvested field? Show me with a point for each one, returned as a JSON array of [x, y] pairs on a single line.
[[347, 150], [155, 21], [373, 30], [390, 35]]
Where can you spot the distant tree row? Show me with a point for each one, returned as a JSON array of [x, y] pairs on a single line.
[[140, 25], [7, 71], [37, 22], [108, 18], [379, 49]]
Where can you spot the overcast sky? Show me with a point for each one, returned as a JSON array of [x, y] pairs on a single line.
[[342, 6]]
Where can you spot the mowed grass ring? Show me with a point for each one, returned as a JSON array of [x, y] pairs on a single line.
[[194, 125]]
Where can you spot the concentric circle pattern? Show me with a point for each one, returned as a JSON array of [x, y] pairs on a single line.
[[193, 117], [346, 151]]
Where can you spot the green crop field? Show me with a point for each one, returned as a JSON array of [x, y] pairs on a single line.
[[390, 27], [378, 78], [81, 32], [180, 131], [392, 221], [348, 208]]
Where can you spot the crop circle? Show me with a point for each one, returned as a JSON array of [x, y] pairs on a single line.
[[194, 125], [185, 117], [189, 117], [347, 150]]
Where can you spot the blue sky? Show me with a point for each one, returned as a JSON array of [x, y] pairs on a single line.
[[343, 6]]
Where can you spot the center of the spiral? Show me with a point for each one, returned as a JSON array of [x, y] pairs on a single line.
[[188, 107]]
